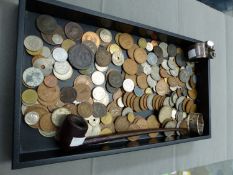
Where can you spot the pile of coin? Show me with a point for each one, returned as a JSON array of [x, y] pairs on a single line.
[[114, 78]]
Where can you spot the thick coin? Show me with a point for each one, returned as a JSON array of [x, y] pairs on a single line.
[[66, 76], [59, 115], [73, 31], [126, 41], [140, 55], [99, 110], [103, 57], [85, 109], [29, 97], [80, 56], [33, 43], [130, 67], [91, 36], [115, 79], [68, 95], [33, 77], [46, 24]]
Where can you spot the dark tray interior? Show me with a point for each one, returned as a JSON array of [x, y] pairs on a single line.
[[30, 148]]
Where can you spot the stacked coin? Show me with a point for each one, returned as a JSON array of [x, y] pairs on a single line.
[[117, 77]]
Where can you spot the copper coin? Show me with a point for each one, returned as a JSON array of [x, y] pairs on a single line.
[[186, 100], [130, 67], [92, 36], [103, 57], [142, 81], [136, 105], [99, 110], [141, 102], [132, 77], [85, 109], [73, 31], [46, 123], [47, 103], [193, 108], [48, 94], [188, 106], [157, 103], [83, 92], [129, 99], [50, 81], [72, 108], [193, 93], [126, 40], [131, 51], [84, 79], [132, 101], [140, 55], [68, 94], [172, 81], [145, 102], [121, 124], [125, 96], [154, 101]]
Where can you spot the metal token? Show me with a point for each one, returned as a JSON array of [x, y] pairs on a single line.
[[171, 63], [103, 57], [80, 56], [166, 101], [33, 77], [73, 31], [98, 78], [128, 85], [100, 68], [114, 48], [98, 93], [68, 94], [31, 118], [179, 100], [180, 60], [115, 79], [118, 58], [59, 115], [66, 76], [33, 43], [152, 58], [104, 100], [99, 110], [57, 39], [165, 65], [138, 91], [184, 75], [46, 24], [126, 40], [174, 72], [106, 35], [60, 54], [62, 67], [44, 65], [142, 43], [171, 49], [91, 45]]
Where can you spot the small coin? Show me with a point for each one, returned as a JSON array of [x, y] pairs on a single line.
[[92, 36], [130, 67], [131, 117], [60, 54], [142, 43], [33, 43], [152, 122], [68, 94], [115, 79], [73, 31], [164, 46], [66, 76], [29, 97], [114, 48], [138, 91], [142, 81], [146, 68], [46, 24], [31, 118], [140, 55], [59, 115], [85, 109], [128, 85], [67, 44], [99, 110], [83, 92], [151, 82], [45, 52], [120, 102], [126, 41], [103, 57], [171, 49], [118, 58], [47, 134], [33, 77], [170, 124], [62, 67]]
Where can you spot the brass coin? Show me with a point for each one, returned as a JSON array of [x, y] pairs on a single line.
[[50, 81], [106, 131], [131, 51], [46, 123], [142, 81], [131, 117], [67, 44], [83, 92], [186, 100], [140, 55], [37, 108], [193, 93], [122, 124], [130, 67], [92, 36], [85, 109], [73, 31], [107, 119], [145, 102], [142, 43], [126, 41], [142, 123], [29, 97], [152, 122], [162, 87]]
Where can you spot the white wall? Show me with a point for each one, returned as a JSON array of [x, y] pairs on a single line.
[[185, 17]]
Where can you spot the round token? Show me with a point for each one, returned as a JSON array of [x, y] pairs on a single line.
[[83, 79], [73, 31], [152, 58], [44, 65], [83, 92], [128, 85], [114, 109], [103, 57], [149, 47], [33, 77], [92, 36], [36, 53], [126, 111], [142, 43], [118, 58], [85, 109], [155, 73], [98, 93], [117, 94], [162, 87], [46, 24], [57, 39], [171, 49], [80, 56], [158, 51], [60, 54], [138, 91], [140, 55], [89, 70], [114, 48], [180, 60], [29, 97], [98, 78], [33, 43], [59, 115], [115, 79], [68, 95], [106, 131], [165, 113], [104, 100], [130, 67], [142, 81], [67, 44], [31, 118], [126, 41], [46, 123], [131, 51], [99, 110], [106, 35]]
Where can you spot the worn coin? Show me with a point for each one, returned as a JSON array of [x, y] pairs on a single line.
[[184, 75], [57, 39], [92, 36], [46, 24], [165, 113], [83, 92], [60, 54], [130, 67], [103, 57], [29, 97], [106, 35], [142, 43], [152, 58], [67, 44], [98, 78], [85, 109], [46, 123], [33, 43], [118, 58], [115, 79], [171, 49], [162, 87], [98, 93], [126, 41], [44, 65], [31, 118], [131, 51], [140, 55], [142, 81], [33, 77], [68, 94], [99, 110], [158, 51], [73, 31]]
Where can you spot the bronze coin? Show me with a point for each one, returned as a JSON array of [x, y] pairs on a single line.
[[188, 106], [103, 57], [68, 95], [131, 51], [129, 99], [83, 92], [162, 87], [132, 101], [163, 73], [91, 36], [48, 94], [161, 101], [154, 101], [145, 102], [142, 123], [126, 41], [46, 24], [50, 81], [115, 78], [172, 81], [85, 109], [46, 123], [193, 108], [72, 108], [73, 31], [184, 104], [99, 110], [141, 102], [47, 103], [157, 103], [136, 105], [142, 81], [130, 67], [124, 99], [140, 55]]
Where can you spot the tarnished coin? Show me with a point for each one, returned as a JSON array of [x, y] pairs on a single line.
[[59, 115], [152, 58], [126, 41], [122, 124], [107, 119], [46, 24], [66, 76], [110, 88], [128, 85], [46, 123], [158, 51], [180, 60], [130, 67], [91, 45], [131, 51], [67, 44], [80, 56], [68, 94], [162, 87], [142, 81], [83, 92], [103, 57], [118, 58], [193, 94], [33, 43], [73, 31], [171, 49], [60, 54], [115, 79], [92, 36], [29, 97], [138, 91], [62, 67], [165, 113], [57, 39], [98, 78], [44, 65], [155, 73], [85, 109], [31, 118], [142, 43], [83, 79], [106, 35], [45, 52], [140, 55], [164, 46], [98, 93], [88, 71], [33, 77], [184, 75], [99, 110]]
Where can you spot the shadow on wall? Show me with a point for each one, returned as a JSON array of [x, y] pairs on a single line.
[[8, 39]]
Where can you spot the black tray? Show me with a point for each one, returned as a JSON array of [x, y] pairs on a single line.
[[31, 149]]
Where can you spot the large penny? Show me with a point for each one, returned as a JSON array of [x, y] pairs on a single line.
[[68, 94], [50, 81], [126, 40], [48, 94], [142, 81], [73, 31], [85, 109], [140, 55], [103, 57], [83, 92], [130, 67]]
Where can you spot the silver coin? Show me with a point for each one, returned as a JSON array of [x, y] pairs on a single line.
[[189, 70], [60, 54], [66, 76], [46, 52], [146, 68], [171, 102], [174, 97], [174, 72], [188, 86], [163, 46], [138, 91], [152, 58], [126, 111], [118, 58], [105, 35], [62, 67], [33, 43], [33, 77], [31, 118], [184, 75], [59, 115], [151, 82], [165, 65], [44, 65], [179, 100], [57, 39], [101, 69], [170, 124], [47, 134], [166, 101]]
